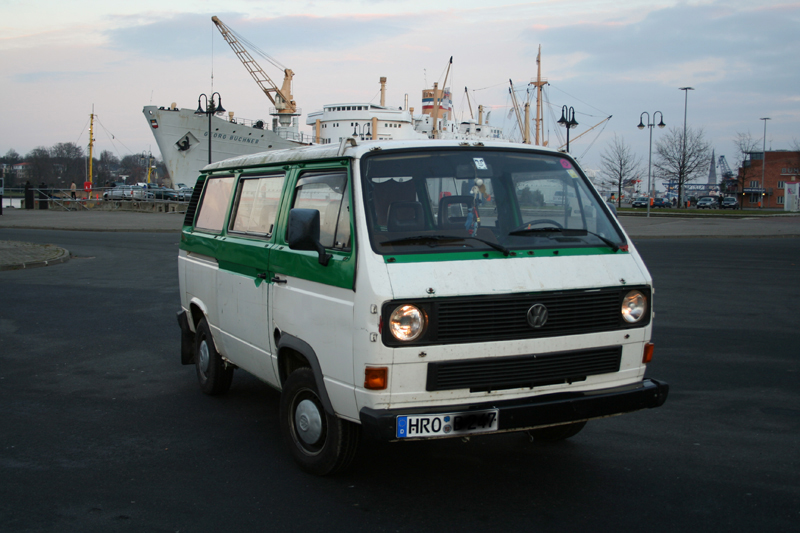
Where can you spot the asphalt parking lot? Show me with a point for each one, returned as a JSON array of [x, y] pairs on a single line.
[[103, 428]]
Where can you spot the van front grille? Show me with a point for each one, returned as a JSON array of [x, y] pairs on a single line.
[[497, 318], [469, 319], [500, 373]]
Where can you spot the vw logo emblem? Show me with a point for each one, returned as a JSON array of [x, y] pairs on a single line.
[[537, 315]]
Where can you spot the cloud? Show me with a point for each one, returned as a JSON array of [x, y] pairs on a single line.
[[53, 76], [685, 42], [189, 35]]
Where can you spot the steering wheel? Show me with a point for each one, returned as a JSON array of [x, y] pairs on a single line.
[[538, 221]]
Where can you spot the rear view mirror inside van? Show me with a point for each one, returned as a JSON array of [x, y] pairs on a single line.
[[303, 233]]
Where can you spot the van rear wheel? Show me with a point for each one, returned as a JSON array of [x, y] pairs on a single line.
[[556, 433], [213, 373], [321, 443]]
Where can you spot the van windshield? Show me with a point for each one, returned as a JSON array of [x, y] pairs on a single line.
[[448, 200]]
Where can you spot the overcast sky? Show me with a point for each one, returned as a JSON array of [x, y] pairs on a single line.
[[601, 57]]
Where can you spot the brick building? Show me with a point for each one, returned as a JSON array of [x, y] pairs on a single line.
[[781, 166]]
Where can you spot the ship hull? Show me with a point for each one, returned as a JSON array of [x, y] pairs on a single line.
[[182, 137]]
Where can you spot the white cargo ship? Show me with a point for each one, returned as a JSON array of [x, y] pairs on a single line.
[[182, 137], [183, 134]]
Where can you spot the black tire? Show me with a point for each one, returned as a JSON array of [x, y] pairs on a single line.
[[214, 374], [556, 433], [320, 442]]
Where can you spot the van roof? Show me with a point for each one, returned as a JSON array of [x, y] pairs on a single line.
[[355, 150]]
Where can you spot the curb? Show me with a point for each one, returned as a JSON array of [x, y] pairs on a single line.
[[61, 255]]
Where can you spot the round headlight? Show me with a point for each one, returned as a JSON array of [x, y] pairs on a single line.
[[634, 306], [406, 323]]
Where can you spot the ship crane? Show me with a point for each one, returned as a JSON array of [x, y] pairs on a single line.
[[727, 173], [285, 106]]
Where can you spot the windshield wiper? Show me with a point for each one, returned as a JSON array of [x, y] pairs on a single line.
[[528, 231], [568, 233], [436, 238], [580, 232]]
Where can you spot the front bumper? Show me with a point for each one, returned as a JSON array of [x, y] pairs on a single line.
[[539, 411]]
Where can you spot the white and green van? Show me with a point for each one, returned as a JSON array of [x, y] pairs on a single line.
[[415, 290]]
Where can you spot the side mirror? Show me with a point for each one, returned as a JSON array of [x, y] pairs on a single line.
[[612, 208], [303, 233]]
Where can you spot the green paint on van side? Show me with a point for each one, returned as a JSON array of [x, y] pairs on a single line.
[[251, 256], [517, 254]]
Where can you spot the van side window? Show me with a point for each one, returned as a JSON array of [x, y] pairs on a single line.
[[214, 206], [326, 192], [257, 201]]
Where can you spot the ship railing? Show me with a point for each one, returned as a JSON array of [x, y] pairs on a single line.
[[297, 136], [258, 124], [284, 133]]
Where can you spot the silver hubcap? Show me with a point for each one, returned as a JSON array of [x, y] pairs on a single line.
[[204, 357], [308, 421]]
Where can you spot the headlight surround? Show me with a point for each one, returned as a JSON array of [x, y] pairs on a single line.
[[407, 322], [634, 307]]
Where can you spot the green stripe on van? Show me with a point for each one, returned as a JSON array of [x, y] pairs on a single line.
[[516, 254]]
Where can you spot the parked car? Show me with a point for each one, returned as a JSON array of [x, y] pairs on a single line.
[[707, 202], [640, 201], [162, 193], [729, 202], [124, 192], [185, 194], [558, 197], [662, 202]]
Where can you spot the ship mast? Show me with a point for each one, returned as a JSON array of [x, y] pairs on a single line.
[[539, 83], [91, 143], [436, 100], [523, 128]]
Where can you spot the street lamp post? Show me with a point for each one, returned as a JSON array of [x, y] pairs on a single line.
[[764, 162], [568, 120], [362, 131], [650, 153], [210, 110], [683, 151]]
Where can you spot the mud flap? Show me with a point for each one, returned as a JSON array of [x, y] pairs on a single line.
[[187, 339]]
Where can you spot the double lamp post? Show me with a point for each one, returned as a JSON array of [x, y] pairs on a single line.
[[650, 125], [211, 109]]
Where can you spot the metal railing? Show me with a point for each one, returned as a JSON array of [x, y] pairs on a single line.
[[14, 197]]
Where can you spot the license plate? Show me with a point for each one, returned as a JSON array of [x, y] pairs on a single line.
[[419, 426]]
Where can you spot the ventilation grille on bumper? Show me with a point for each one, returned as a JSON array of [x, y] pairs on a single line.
[[500, 373]]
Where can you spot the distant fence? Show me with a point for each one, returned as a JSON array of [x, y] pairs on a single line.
[[62, 199]]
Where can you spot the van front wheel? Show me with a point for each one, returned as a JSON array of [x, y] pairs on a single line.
[[320, 442], [214, 374]]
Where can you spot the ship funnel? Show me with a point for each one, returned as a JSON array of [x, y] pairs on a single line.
[[383, 91]]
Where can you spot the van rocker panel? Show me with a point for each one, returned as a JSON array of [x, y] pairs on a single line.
[[538, 411]]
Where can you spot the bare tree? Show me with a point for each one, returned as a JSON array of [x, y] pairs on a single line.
[[745, 145], [8, 161], [619, 165], [134, 166], [11, 157], [678, 165], [107, 162], [69, 162], [41, 165]]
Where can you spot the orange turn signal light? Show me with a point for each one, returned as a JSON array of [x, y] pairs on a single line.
[[376, 378], [648, 352]]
